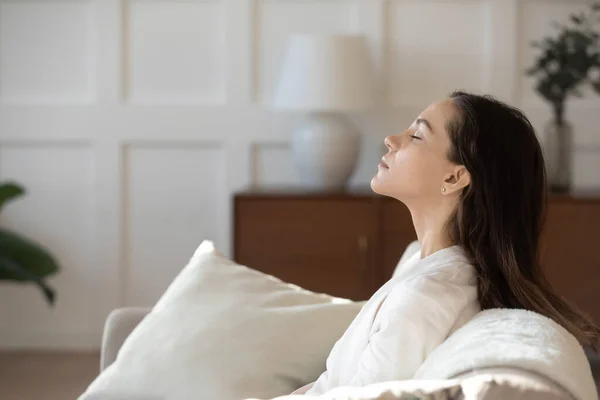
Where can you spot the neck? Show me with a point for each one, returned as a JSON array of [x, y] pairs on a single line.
[[430, 226]]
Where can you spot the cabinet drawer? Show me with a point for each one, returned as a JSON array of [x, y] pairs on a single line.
[[322, 245], [570, 254]]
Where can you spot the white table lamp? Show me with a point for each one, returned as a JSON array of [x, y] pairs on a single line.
[[326, 75]]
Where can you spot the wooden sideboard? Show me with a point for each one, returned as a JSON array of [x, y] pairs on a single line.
[[347, 244]]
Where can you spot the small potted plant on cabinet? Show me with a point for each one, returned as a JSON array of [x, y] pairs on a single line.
[[565, 64]]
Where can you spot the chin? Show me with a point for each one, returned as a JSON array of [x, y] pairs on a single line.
[[386, 188], [377, 186]]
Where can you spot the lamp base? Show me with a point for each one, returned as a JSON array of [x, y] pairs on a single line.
[[325, 150]]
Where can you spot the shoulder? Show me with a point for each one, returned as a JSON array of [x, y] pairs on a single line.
[[442, 283], [447, 266], [428, 291], [421, 312], [432, 298]]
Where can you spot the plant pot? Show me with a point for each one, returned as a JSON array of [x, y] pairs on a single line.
[[558, 153]]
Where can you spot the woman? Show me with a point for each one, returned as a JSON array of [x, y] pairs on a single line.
[[471, 172]]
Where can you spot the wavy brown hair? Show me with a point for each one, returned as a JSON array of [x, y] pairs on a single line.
[[501, 213]]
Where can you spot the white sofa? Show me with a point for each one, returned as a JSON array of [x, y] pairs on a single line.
[[223, 331], [510, 383]]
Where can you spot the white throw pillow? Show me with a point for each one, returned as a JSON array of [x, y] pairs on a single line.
[[223, 331]]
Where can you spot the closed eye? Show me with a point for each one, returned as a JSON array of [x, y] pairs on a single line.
[[416, 136]]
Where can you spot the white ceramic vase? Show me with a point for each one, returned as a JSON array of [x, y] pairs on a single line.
[[325, 150]]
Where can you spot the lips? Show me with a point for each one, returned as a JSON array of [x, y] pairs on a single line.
[[383, 164]]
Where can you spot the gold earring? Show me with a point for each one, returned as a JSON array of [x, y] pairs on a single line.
[[443, 189]]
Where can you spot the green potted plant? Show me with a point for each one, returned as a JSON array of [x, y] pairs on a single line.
[[22, 260], [566, 63]]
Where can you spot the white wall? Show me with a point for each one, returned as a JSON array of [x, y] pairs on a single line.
[[131, 123]]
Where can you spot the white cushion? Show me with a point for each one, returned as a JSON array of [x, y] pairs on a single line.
[[223, 331], [393, 390], [513, 385]]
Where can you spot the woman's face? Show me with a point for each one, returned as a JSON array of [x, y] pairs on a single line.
[[416, 166]]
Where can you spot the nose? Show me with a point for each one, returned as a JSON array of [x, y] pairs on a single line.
[[390, 143]]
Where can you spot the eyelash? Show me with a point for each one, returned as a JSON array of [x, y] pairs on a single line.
[[416, 137]]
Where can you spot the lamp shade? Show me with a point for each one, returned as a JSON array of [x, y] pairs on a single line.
[[325, 73]]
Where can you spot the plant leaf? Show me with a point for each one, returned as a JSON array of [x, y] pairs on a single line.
[[22, 260], [10, 268], [28, 255], [535, 44], [10, 191], [532, 70], [577, 93]]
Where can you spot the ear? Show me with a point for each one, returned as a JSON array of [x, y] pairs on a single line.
[[456, 181]]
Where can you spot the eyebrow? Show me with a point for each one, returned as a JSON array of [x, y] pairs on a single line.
[[424, 122]]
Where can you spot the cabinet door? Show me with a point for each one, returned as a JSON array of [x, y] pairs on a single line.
[[327, 246], [570, 252], [398, 232]]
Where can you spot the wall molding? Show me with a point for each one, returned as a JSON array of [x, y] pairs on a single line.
[[223, 118]]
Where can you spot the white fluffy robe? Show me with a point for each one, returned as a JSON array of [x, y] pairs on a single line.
[[408, 317], [514, 338]]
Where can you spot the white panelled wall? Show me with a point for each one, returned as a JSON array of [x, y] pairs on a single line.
[[132, 122]]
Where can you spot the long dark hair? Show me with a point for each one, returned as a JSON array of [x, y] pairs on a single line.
[[501, 213]]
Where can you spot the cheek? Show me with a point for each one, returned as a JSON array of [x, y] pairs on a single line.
[[413, 160], [418, 171]]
